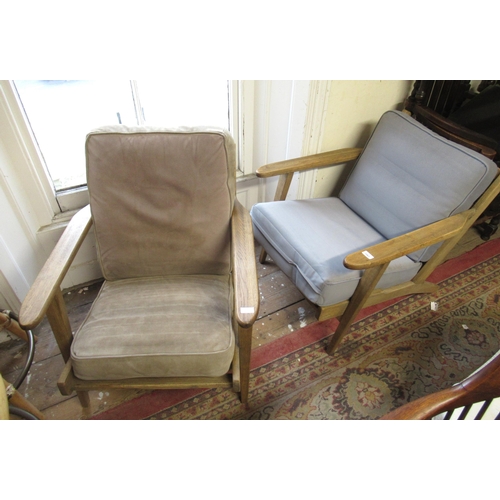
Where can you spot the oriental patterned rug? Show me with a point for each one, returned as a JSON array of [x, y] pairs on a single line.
[[396, 352]]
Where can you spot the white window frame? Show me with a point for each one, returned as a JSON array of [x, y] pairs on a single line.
[[242, 122], [29, 183], [65, 203], [271, 121]]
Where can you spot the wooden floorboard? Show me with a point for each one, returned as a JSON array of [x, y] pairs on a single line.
[[283, 310]]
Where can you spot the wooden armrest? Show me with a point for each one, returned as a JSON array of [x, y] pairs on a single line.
[[246, 290], [426, 407], [50, 277], [455, 132], [394, 248], [452, 127], [309, 162]]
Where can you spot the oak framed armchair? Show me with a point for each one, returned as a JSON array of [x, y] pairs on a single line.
[[410, 197], [176, 249]]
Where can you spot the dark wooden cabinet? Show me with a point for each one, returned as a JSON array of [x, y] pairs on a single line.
[[467, 116]]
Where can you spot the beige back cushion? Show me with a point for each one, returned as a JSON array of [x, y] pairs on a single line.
[[161, 200]]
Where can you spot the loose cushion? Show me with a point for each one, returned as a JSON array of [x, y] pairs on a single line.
[[408, 177], [161, 200], [309, 239], [157, 327]]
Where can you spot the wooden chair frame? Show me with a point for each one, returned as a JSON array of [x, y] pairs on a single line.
[[45, 299], [482, 385], [449, 231]]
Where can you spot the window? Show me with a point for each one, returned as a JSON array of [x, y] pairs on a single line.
[[61, 113]]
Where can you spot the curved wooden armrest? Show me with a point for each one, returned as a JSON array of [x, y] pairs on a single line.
[[309, 162], [482, 385], [457, 133], [246, 290], [394, 248], [50, 277]]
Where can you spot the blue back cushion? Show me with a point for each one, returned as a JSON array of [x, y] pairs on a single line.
[[408, 177]]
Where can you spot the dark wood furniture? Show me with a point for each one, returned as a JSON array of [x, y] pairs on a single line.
[[483, 386], [466, 116]]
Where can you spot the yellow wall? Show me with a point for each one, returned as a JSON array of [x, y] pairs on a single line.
[[354, 108]]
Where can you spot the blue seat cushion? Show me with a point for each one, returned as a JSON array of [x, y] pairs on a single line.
[[309, 239]]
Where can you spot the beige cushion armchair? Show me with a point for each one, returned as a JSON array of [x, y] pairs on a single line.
[[176, 250]]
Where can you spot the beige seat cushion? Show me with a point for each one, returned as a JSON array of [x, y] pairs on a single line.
[[157, 327]]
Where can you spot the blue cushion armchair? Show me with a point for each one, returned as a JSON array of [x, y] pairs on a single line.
[[408, 200]]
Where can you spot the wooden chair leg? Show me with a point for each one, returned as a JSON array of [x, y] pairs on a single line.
[[245, 348], [366, 285], [84, 398], [262, 257], [66, 386], [59, 322]]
